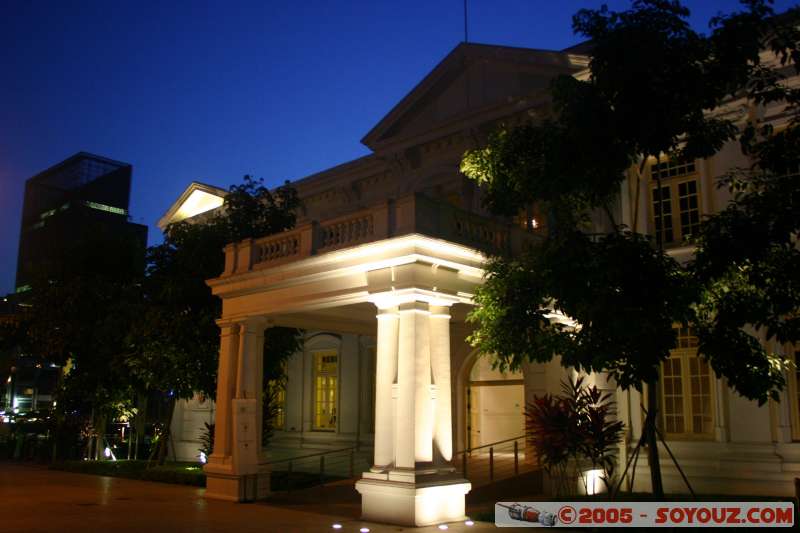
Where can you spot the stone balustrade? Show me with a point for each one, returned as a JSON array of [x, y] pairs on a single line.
[[347, 231], [410, 214]]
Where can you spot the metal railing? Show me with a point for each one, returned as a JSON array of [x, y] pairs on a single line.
[[481, 465], [314, 469], [494, 461]]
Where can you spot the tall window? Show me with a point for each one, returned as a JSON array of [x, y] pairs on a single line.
[[793, 392], [279, 397], [326, 380], [796, 359], [686, 390], [662, 214], [675, 205]]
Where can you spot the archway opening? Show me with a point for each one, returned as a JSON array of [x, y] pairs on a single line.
[[495, 404]]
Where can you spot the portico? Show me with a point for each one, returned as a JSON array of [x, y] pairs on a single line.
[[405, 271]]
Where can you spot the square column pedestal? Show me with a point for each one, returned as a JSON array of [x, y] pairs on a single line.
[[427, 500], [222, 484], [239, 477]]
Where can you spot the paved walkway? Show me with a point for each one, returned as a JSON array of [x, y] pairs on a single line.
[[34, 499]]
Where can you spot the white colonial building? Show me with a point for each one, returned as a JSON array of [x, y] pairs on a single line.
[[380, 273]]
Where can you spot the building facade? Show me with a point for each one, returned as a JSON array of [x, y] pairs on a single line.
[[74, 201], [380, 273], [68, 203]]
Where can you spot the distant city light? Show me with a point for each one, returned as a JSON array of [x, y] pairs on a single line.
[[443, 527], [469, 523], [107, 452], [364, 530], [203, 458], [337, 526]]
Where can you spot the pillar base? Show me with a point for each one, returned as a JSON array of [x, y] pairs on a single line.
[[231, 487], [413, 504]]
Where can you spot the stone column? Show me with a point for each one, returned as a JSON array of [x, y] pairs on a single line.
[[414, 437], [440, 367], [232, 472], [406, 486], [259, 389], [226, 391], [251, 339], [385, 374]]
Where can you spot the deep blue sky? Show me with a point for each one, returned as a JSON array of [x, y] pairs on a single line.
[[210, 91]]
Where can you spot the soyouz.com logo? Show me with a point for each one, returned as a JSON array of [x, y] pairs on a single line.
[[644, 514]]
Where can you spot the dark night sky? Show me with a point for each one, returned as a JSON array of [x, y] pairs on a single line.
[[210, 91]]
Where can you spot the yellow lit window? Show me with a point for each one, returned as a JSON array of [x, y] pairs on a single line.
[[662, 214], [326, 380], [671, 168], [686, 390], [688, 208], [675, 206], [793, 353], [279, 421]]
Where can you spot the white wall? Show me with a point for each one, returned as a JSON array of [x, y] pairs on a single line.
[[355, 393], [188, 424]]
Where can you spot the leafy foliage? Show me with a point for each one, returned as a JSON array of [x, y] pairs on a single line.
[[78, 317], [575, 426], [207, 439], [604, 284], [130, 323], [748, 260], [655, 87], [279, 345], [175, 338]]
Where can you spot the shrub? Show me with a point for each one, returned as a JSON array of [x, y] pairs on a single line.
[[574, 428]]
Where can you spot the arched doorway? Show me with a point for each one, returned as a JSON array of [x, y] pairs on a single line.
[[495, 404]]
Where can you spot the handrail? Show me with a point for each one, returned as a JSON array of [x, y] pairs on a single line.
[[490, 445], [299, 457]]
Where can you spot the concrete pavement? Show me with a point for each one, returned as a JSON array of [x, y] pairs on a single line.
[[34, 499]]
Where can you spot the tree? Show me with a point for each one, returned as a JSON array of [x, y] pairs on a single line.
[[279, 345], [175, 340], [748, 260], [77, 317], [653, 87]]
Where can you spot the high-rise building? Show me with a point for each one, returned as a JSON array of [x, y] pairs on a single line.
[[68, 203], [84, 199]]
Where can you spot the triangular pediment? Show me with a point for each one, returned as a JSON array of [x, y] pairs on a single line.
[[470, 79], [197, 199]]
